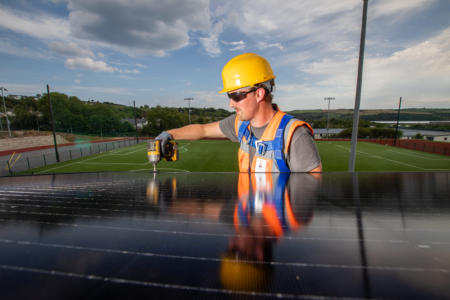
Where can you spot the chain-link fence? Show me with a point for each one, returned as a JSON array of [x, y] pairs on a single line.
[[20, 162]]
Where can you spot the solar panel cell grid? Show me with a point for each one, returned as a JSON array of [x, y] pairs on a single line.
[[225, 235]]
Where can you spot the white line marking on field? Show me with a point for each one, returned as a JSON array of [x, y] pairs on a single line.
[[116, 163], [77, 162], [184, 147], [125, 153], [394, 161], [421, 156], [151, 169], [211, 141], [344, 148], [384, 158]]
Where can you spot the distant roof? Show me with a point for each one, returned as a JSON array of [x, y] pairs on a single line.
[[413, 132], [330, 130]]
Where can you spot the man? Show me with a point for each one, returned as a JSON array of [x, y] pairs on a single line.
[[270, 140]]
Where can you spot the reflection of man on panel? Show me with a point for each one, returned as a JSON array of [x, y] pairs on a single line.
[[269, 206]]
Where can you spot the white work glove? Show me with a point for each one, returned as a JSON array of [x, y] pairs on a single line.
[[164, 137]]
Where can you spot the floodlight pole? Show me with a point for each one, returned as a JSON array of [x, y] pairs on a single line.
[[189, 103], [53, 123], [135, 122], [328, 114], [398, 119], [4, 107], [351, 161]]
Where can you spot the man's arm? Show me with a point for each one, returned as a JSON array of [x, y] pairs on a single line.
[[197, 132], [303, 155]]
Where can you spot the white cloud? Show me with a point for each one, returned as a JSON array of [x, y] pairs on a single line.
[[421, 74], [140, 27], [237, 46], [284, 20], [81, 57], [141, 66], [321, 41], [314, 42], [37, 24], [70, 49], [12, 47], [88, 63], [56, 1], [388, 7], [211, 43], [133, 71], [186, 83], [210, 99], [265, 45], [327, 27], [98, 90]]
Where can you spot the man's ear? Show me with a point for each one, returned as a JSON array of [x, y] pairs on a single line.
[[260, 94]]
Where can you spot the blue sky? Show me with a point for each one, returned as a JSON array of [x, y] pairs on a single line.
[[160, 52]]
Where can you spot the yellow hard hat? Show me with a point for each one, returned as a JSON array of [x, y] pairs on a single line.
[[245, 70]]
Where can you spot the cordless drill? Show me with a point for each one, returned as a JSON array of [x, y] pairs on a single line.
[[155, 153]]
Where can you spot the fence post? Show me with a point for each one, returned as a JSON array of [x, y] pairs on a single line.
[[70, 154], [28, 163], [45, 162], [81, 152], [9, 168]]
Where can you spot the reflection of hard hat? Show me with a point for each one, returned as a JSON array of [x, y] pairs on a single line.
[[245, 70], [241, 275]]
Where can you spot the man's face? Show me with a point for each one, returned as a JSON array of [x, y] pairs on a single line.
[[243, 101]]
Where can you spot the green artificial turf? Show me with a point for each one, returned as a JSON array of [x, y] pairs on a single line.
[[220, 156]]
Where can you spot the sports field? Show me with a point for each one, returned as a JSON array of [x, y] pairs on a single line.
[[220, 156]]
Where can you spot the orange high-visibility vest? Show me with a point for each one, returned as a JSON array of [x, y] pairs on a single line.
[[272, 148]]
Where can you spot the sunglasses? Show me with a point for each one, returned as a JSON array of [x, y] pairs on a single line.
[[239, 96]]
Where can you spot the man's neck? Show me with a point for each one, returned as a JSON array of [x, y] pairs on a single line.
[[264, 115]]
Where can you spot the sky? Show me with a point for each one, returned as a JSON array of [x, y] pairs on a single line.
[[158, 52]]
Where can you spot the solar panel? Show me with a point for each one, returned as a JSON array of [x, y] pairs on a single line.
[[225, 235]]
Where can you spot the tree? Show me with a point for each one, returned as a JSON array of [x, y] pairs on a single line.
[[24, 118], [364, 132], [418, 136], [163, 118]]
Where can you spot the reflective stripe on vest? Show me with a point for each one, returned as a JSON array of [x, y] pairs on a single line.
[[271, 150]]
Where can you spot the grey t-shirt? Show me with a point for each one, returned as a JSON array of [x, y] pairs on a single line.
[[302, 156]]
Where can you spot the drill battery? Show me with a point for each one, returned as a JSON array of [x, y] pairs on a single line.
[[171, 151]]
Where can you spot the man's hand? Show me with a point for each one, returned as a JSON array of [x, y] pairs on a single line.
[[164, 137]]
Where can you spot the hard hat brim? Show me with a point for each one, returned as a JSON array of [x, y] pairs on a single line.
[[225, 90]]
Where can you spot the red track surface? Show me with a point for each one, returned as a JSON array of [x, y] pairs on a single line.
[[21, 150]]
